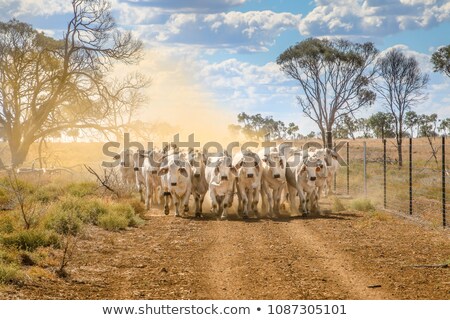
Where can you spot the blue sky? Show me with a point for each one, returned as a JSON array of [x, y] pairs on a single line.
[[220, 55]]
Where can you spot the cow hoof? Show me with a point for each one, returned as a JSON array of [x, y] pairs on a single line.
[[166, 211], [177, 215], [186, 209], [223, 217], [198, 215], [245, 216]]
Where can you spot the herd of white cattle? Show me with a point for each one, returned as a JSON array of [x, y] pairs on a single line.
[[170, 176]]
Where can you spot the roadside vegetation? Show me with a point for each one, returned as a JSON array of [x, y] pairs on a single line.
[[41, 222]]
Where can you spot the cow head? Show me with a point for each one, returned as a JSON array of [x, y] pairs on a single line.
[[175, 171], [223, 168], [196, 160], [311, 168], [276, 165]]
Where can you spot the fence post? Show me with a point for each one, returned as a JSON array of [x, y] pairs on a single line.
[[384, 173], [410, 178], [444, 222], [365, 169], [334, 182], [348, 169]]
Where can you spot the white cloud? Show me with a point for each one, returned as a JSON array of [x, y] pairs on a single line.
[[238, 31], [373, 17]]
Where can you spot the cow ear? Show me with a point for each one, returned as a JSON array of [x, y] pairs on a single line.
[[281, 164], [303, 168], [239, 165], [318, 168], [216, 170], [162, 171], [183, 172], [233, 171]]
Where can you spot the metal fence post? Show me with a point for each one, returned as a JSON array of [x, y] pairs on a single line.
[[334, 182], [384, 173], [410, 178], [444, 222], [348, 169], [365, 169]]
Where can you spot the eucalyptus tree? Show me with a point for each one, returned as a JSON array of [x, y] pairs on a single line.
[[48, 85], [441, 60], [334, 76], [400, 85]]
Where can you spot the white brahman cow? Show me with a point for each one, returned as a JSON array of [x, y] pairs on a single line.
[[248, 181], [273, 179]]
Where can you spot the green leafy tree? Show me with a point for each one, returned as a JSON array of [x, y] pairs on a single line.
[[334, 76], [49, 86], [441, 60], [401, 86], [382, 125]]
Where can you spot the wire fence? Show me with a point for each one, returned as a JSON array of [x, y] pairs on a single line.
[[419, 187]]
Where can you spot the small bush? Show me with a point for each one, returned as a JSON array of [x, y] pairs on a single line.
[[48, 194], [138, 207], [113, 222], [64, 222], [10, 274], [82, 189], [31, 239], [92, 210], [364, 205], [338, 205], [5, 196], [128, 212], [6, 224]]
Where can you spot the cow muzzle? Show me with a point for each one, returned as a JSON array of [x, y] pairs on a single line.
[[197, 175], [312, 178], [250, 175], [173, 184], [276, 176], [136, 169], [154, 171], [224, 178]]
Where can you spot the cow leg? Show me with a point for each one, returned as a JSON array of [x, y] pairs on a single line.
[[166, 202], [199, 212], [177, 206], [214, 204], [264, 199], [303, 205], [186, 201], [255, 200], [276, 201], [244, 202], [148, 196]]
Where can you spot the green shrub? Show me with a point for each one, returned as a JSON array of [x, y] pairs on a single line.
[[64, 222], [82, 189], [113, 222], [31, 239], [91, 210], [48, 194], [6, 223], [128, 212], [5, 196], [364, 205], [10, 274]]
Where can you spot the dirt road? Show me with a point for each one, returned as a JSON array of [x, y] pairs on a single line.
[[330, 256]]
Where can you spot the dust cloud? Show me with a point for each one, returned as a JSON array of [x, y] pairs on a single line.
[[179, 103]]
